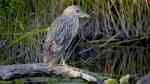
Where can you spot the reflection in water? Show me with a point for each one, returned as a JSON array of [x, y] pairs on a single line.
[[124, 60]]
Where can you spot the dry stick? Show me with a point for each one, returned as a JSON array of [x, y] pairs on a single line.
[[128, 41], [115, 42], [9, 72], [105, 41], [109, 40]]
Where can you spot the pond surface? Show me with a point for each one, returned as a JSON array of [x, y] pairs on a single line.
[[45, 80]]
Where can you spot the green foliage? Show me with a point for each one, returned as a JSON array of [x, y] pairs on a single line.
[[23, 24], [111, 81], [6, 82], [65, 81], [125, 79], [28, 35]]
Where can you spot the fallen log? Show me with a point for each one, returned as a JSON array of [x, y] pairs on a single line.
[[9, 72]]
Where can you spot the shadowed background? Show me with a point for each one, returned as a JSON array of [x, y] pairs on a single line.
[[23, 26]]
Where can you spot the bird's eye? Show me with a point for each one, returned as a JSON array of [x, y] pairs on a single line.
[[77, 11]]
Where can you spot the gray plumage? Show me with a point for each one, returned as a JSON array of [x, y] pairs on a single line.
[[65, 28], [62, 32]]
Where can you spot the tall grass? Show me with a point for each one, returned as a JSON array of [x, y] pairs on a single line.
[[23, 26]]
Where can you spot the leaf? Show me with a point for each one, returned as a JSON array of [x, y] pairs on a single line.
[[27, 35]]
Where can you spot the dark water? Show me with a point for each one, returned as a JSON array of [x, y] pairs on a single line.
[[124, 60], [45, 80]]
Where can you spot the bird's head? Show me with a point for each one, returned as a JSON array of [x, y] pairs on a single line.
[[75, 11]]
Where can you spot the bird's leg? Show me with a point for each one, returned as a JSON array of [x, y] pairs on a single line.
[[52, 63], [63, 62]]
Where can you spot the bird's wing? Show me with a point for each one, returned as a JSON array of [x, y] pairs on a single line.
[[64, 28]]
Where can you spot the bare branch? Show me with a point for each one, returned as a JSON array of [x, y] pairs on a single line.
[[33, 70]]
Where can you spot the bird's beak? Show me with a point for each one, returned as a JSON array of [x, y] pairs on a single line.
[[84, 15]]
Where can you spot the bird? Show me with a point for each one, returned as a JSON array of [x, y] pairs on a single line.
[[61, 34]]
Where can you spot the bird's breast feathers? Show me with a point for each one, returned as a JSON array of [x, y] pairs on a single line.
[[64, 29]]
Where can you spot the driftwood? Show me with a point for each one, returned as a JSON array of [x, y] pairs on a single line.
[[9, 72]]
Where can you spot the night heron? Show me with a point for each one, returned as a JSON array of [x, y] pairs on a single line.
[[61, 34]]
